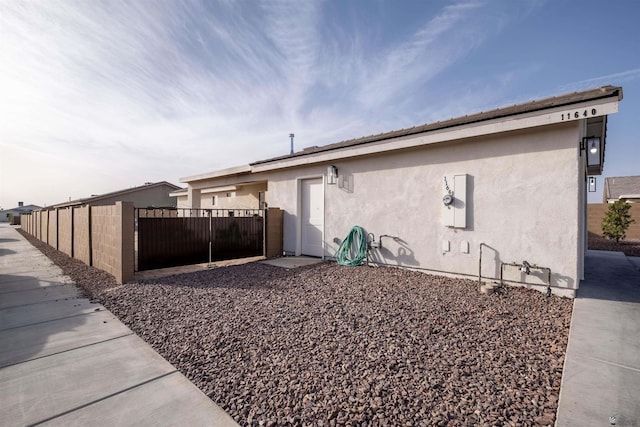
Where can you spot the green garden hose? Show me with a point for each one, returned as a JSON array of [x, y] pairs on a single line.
[[353, 249]]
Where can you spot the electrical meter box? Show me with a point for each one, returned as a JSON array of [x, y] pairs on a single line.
[[454, 201]]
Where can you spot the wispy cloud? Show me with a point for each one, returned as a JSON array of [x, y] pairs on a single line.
[[140, 92], [613, 78], [432, 48]]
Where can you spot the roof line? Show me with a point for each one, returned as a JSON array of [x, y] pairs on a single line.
[[498, 113]]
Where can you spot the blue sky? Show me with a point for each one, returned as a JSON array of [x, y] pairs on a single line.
[[97, 96]]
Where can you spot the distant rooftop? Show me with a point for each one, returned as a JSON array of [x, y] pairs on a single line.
[[616, 187], [95, 198]]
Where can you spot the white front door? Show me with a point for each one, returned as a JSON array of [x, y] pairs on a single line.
[[312, 217]]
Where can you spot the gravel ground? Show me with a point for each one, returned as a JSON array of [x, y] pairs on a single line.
[[332, 345], [630, 247]]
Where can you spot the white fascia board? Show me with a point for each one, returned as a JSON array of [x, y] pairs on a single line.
[[506, 124], [223, 189], [237, 170]]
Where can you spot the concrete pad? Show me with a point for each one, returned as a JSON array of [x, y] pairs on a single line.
[[27, 259], [608, 390], [63, 363], [608, 330], [30, 266], [48, 387], [11, 283], [30, 314], [38, 295], [171, 400], [601, 376], [293, 261], [42, 339]]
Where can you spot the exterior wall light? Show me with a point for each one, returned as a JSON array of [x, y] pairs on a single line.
[[591, 146], [332, 175]]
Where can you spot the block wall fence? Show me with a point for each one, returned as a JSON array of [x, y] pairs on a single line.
[[99, 236], [595, 214]]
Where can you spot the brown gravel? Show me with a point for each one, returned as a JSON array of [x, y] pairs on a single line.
[[630, 247], [331, 345]]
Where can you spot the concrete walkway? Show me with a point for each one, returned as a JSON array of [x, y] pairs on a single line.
[[601, 377], [67, 361]]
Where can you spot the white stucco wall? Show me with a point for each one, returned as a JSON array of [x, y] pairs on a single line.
[[244, 197], [523, 195]]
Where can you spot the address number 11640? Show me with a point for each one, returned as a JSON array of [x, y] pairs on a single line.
[[579, 114]]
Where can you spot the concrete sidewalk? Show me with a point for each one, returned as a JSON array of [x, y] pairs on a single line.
[[601, 377], [66, 361]]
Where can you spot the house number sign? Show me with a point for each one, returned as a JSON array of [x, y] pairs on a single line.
[[579, 114]]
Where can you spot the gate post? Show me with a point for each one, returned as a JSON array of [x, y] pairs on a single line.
[[125, 254], [273, 232]]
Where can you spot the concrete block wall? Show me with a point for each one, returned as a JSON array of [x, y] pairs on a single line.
[[25, 222], [81, 236], [100, 236], [53, 229], [45, 226], [112, 239], [596, 212], [65, 234]]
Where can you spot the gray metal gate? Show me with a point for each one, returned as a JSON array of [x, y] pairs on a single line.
[[174, 237]]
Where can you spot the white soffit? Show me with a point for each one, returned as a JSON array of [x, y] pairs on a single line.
[[237, 170], [567, 113], [224, 189]]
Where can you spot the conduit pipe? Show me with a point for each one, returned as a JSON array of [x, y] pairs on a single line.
[[480, 264], [526, 268]]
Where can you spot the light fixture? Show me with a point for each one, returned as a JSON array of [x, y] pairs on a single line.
[[591, 145], [332, 175]]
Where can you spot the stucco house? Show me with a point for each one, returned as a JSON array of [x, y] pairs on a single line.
[[7, 215], [151, 194], [508, 183], [240, 195], [625, 188]]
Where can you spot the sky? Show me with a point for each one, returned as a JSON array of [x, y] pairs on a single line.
[[102, 95]]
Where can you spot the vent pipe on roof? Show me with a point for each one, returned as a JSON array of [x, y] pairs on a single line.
[[291, 136]]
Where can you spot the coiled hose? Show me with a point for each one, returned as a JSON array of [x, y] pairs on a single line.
[[353, 249]]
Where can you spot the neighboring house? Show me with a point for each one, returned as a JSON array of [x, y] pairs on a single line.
[[625, 188], [511, 181], [6, 215], [151, 194], [206, 192]]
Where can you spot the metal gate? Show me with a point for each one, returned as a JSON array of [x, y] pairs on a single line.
[[173, 237]]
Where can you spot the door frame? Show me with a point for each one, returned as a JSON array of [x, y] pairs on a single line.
[[299, 212]]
